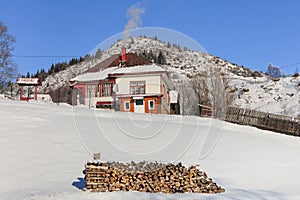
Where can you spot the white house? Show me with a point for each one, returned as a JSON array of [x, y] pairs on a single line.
[[141, 88]]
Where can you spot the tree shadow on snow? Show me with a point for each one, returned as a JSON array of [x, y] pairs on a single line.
[[79, 184]]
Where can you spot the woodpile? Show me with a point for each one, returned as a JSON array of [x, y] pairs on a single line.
[[147, 177]]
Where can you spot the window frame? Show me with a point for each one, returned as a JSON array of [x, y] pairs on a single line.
[[106, 89], [139, 102], [125, 107], [137, 87], [149, 104]]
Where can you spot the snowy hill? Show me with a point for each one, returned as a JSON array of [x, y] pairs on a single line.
[[256, 91], [279, 96], [44, 148]]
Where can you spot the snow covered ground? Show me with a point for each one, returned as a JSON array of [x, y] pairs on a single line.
[[44, 148]]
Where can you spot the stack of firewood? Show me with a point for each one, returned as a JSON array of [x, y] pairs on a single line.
[[147, 177]]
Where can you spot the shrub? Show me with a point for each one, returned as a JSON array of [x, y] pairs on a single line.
[[296, 74], [245, 90]]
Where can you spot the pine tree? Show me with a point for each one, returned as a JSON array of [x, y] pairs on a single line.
[[169, 45], [51, 70], [179, 48], [98, 53], [37, 74], [64, 65], [73, 61], [57, 67], [132, 41], [151, 56], [42, 75], [87, 57], [161, 59]]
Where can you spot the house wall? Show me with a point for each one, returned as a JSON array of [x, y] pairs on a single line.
[[157, 105], [165, 101], [122, 104], [80, 94], [155, 84], [152, 83], [94, 100], [90, 94]]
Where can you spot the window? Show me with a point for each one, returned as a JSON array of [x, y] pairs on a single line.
[[151, 105], [106, 89], [139, 102], [127, 105], [97, 93], [137, 87]]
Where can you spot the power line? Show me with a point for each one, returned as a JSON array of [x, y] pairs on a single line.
[[290, 65], [43, 56]]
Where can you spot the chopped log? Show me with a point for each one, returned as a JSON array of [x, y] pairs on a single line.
[[147, 177]]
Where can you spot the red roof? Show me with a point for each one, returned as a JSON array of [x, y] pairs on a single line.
[[114, 60]]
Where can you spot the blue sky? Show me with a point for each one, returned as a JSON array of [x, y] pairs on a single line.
[[250, 33]]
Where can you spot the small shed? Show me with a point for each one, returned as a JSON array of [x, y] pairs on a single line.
[[205, 111], [26, 86]]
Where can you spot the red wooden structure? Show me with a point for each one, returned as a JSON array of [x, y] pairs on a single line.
[[28, 82]]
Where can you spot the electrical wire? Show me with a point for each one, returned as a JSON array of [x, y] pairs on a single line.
[[290, 65], [43, 56]]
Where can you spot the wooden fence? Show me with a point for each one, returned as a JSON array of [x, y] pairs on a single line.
[[262, 120]]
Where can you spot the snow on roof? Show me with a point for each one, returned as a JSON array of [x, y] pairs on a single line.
[[28, 81], [94, 76], [103, 74], [138, 69]]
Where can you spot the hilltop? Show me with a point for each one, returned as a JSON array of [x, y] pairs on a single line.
[[249, 89]]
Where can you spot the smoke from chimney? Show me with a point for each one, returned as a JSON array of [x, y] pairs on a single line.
[[133, 15]]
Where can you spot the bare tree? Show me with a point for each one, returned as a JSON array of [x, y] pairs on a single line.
[[198, 83], [273, 71], [218, 87], [211, 88], [188, 99], [8, 69]]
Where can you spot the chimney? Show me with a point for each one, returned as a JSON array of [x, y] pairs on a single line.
[[123, 55]]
